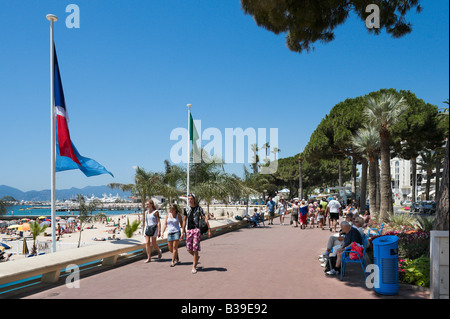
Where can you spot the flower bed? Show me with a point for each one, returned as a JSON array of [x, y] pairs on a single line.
[[413, 249]]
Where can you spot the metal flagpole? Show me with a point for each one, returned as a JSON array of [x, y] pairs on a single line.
[[52, 18], [188, 150]]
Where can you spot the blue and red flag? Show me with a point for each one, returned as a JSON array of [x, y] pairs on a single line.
[[67, 156]]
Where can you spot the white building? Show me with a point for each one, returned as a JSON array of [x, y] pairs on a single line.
[[401, 174]]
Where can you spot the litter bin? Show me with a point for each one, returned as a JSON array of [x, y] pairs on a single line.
[[385, 256]]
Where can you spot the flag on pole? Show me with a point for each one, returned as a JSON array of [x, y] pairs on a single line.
[[67, 156], [193, 137]]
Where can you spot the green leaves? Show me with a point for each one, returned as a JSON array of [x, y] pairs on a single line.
[[309, 21], [130, 229]]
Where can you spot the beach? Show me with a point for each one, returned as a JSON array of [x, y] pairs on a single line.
[[96, 233]]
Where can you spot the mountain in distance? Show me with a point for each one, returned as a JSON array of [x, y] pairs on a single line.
[[61, 194]]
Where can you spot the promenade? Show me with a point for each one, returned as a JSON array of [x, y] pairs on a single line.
[[275, 262]]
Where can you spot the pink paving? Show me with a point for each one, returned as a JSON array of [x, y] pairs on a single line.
[[275, 262]]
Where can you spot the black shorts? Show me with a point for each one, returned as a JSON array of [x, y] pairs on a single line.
[[334, 216]]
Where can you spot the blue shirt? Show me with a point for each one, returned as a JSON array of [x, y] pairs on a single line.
[[271, 206]]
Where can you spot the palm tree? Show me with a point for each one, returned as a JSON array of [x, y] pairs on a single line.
[[36, 229], [383, 112], [255, 158], [211, 189], [428, 163], [367, 142], [173, 182], [85, 212], [275, 151], [146, 184]]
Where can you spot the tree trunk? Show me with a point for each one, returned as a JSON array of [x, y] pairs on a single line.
[[372, 187], [441, 221], [353, 179], [385, 177], [340, 177], [438, 176], [363, 189], [414, 178], [428, 185], [377, 189]]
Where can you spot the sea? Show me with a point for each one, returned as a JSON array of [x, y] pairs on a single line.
[[30, 210]]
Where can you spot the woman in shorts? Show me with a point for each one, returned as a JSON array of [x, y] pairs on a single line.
[[172, 223], [152, 219]]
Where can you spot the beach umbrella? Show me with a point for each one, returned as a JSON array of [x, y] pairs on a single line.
[[46, 223], [26, 227], [42, 217], [25, 219], [25, 247], [5, 246], [57, 217], [13, 226], [47, 220]]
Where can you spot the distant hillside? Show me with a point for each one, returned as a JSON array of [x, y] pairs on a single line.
[[61, 194]]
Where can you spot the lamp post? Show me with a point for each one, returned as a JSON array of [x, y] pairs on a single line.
[[300, 179]]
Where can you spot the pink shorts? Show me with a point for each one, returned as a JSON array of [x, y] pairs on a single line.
[[193, 239]]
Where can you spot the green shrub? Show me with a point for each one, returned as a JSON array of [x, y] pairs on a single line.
[[416, 272]]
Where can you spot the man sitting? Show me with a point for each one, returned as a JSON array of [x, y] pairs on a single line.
[[253, 220], [352, 234]]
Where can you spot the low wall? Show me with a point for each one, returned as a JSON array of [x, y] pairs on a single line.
[[49, 268]]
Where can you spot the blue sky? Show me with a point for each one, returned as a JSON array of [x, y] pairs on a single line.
[[132, 66]]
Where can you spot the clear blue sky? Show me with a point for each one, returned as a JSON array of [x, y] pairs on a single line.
[[132, 66]]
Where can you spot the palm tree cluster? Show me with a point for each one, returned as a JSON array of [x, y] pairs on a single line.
[[381, 114], [207, 180], [370, 130]]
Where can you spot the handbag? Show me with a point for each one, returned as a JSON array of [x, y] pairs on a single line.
[[202, 225], [358, 249], [150, 230]]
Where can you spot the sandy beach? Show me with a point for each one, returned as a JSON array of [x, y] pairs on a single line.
[[93, 234]]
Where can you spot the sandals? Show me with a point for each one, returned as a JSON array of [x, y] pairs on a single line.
[[194, 271]]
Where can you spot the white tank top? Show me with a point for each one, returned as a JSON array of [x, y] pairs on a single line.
[[150, 219], [173, 225]]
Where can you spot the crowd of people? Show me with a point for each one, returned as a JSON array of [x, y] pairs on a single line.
[[317, 213], [324, 213]]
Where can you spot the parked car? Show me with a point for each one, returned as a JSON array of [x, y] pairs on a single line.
[[407, 204], [429, 207], [417, 207]]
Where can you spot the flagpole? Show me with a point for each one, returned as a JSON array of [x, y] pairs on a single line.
[[52, 18], [188, 150]]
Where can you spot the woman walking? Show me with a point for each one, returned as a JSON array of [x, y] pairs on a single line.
[[172, 223], [282, 208], [152, 229]]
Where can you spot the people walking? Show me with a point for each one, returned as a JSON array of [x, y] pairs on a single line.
[[152, 229], [271, 206], [282, 208], [294, 215], [193, 213], [303, 215], [173, 224], [335, 210]]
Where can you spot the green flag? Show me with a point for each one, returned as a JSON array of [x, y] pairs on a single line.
[[193, 137], [193, 134]]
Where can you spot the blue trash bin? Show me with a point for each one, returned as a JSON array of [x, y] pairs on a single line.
[[385, 256]]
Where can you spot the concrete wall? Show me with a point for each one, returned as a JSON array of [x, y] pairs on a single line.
[[439, 272]]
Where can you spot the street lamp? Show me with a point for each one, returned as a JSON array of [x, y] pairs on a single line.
[[300, 179]]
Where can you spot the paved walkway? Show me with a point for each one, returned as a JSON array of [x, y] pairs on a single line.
[[275, 262]]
